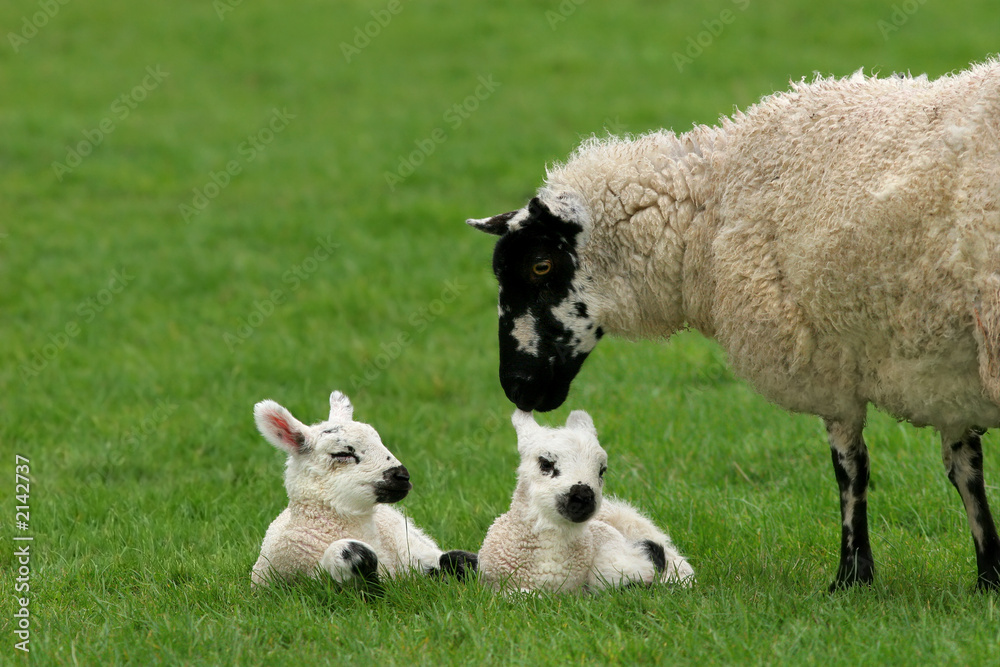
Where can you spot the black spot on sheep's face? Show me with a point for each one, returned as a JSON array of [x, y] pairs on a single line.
[[546, 329]]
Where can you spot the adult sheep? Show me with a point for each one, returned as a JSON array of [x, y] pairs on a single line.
[[841, 241]]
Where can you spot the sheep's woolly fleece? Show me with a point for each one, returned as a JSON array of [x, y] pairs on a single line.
[[839, 240]]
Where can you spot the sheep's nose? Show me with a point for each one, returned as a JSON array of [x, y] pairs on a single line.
[[398, 475], [394, 486], [579, 503]]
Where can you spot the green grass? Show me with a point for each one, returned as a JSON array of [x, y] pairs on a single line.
[[150, 488]]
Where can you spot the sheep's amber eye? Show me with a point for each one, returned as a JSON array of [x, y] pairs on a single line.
[[541, 267]]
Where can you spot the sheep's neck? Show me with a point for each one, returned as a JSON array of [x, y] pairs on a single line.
[[649, 255], [323, 514]]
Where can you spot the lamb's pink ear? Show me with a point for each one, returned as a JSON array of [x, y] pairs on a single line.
[[341, 409], [497, 225], [579, 420], [279, 427]]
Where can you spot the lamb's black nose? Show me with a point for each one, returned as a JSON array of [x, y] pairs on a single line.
[[398, 475], [394, 486], [578, 504]]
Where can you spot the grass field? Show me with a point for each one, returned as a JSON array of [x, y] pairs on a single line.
[[207, 204]]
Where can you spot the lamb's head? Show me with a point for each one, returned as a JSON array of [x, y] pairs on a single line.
[[339, 463], [562, 469], [548, 312]]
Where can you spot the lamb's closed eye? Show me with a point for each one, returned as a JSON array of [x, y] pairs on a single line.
[[345, 457]]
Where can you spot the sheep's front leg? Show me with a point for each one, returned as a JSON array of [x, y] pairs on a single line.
[[347, 560], [850, 463], [964, 462]]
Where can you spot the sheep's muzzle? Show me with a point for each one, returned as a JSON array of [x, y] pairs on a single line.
[[394, 486], [578, 504]]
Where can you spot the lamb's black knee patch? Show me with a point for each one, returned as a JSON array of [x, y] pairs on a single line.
[[656, 554], [364, 562], [460, 564]]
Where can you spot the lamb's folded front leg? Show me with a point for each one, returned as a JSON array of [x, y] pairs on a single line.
[[347, 560], [458, 563], [850, 463]]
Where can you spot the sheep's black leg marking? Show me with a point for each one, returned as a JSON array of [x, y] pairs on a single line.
[[364, 562], [656, 554], [964, 462], [850, 463], [460, 564]]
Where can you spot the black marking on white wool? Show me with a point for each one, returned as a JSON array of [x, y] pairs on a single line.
[[545, 330]]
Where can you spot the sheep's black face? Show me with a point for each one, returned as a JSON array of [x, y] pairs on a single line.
[[545, 328]]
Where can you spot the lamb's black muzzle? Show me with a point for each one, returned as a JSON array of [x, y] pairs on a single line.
[[578, 504], [394, 486]]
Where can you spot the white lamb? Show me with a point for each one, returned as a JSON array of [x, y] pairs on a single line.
[[558, 535], [337, 475]]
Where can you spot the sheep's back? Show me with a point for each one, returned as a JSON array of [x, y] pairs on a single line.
[[860, 222]]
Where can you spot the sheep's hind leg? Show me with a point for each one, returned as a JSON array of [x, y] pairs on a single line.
[[964, 462], [850, 463]]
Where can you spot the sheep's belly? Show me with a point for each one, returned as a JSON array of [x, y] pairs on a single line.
[[567, 575], [943, 392]]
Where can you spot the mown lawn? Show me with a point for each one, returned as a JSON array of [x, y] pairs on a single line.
[[204, 204]]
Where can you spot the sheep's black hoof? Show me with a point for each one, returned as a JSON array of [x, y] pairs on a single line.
[[460, 564], [989, 581], [853, 573], [656, 554]]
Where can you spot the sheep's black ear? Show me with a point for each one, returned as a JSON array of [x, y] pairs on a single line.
[[497, 225], [538, 209]]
